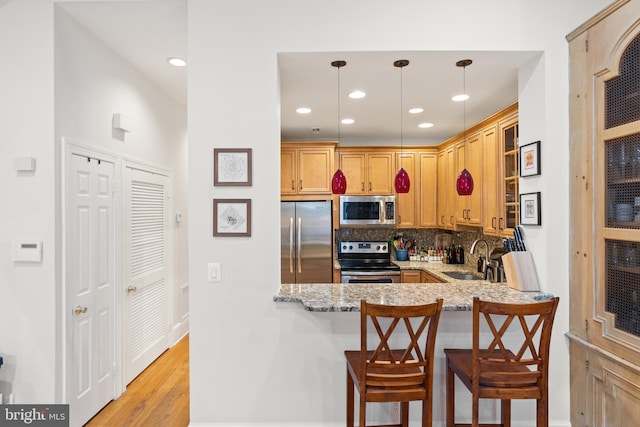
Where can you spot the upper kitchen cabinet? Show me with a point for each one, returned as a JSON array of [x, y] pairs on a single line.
[[501, 173], [407, 203], [446, 188], [605, 217], [368, 170], [469, 155], [306, 168], [428, 196]]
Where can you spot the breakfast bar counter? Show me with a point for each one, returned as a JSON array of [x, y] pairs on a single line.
[[458, 296]]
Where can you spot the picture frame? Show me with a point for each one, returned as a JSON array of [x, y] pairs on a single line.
[[530, 209], [530, 159], [232, 217], [232, 167]]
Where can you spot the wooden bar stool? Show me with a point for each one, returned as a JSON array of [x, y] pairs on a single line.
[[385, 374], [495, 372]]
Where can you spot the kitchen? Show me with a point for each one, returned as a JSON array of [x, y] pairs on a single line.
[[429, 207]]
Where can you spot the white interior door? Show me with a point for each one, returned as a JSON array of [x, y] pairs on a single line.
[[146, 273], [90, 269]]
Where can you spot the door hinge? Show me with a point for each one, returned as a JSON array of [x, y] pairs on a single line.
[[586, 45], [586, 366]]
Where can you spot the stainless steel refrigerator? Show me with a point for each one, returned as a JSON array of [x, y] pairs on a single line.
[[306, 242]]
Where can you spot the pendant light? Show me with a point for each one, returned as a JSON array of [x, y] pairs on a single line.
[[464, 183], [339, 181], [402, 181]]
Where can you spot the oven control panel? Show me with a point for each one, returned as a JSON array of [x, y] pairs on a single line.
[[364, 247]]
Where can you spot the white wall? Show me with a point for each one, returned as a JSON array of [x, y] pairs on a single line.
[[28, 292], [254, 361]]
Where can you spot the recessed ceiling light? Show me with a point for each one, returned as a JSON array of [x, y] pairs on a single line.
[[347, 121], [416, 110], [177, 62], [303, 110], [357, 94], [425, 125], [461, 97]]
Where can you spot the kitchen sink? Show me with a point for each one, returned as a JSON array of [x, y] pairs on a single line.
[[463, 276]]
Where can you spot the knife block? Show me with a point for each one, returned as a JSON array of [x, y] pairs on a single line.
[[520, 271]]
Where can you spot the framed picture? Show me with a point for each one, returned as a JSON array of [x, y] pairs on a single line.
[[530, 209], [232, 166], [232, 217], [530, 159]]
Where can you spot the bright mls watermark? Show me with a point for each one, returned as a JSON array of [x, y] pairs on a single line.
[[34, 415]]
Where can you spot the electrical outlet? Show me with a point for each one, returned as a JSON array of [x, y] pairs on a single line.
[[395, 412]]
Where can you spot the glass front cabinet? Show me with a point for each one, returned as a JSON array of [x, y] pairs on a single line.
[[605, 218]]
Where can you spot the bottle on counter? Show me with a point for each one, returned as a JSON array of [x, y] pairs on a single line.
[[480, 264], [452, 254], [460, 255]]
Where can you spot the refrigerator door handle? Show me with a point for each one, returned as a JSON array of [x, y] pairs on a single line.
[[299, 245], [291, 245]]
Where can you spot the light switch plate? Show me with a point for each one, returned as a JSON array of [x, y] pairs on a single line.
[[213, 272]]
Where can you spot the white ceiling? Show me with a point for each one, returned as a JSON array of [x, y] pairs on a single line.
[[146, 32]]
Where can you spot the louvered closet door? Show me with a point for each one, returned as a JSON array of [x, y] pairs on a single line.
[[146, 272]]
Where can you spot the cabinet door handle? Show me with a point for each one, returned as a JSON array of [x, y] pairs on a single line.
[[493, 222], [301, 184], [293, 184], [442, 219], [451, 220], [369, 185], [500, 221], [362, 186]]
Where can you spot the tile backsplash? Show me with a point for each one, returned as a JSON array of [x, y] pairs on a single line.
[[423, 237]]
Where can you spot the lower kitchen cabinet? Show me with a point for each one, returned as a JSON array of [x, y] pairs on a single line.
[[426, 277], [410, 276]]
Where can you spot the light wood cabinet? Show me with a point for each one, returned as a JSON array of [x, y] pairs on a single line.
[[306, 168], [418, 276], [508, 194], [446, 188], [470, 155], [410, 276], [605, 236], [427, 194], [368, 171], [407, 203], [426, 277], [501, 175]]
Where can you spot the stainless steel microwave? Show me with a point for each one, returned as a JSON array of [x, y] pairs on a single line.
[[367, 211]]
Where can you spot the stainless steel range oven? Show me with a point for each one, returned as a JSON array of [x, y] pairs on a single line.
[[366, 262]]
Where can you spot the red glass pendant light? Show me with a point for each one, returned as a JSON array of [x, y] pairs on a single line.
[[464, 183], [339, 181], [402, 181]]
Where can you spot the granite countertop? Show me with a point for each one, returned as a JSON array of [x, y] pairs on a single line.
[[457, 294]]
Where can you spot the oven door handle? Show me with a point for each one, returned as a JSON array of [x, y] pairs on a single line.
[[370, 281]]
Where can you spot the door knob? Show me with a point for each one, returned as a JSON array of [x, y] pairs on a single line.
[[79, 310], [131, 289]]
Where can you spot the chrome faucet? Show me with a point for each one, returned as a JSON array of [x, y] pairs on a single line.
[[485, 266]]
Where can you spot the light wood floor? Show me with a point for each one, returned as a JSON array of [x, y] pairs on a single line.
[[158, 397]]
